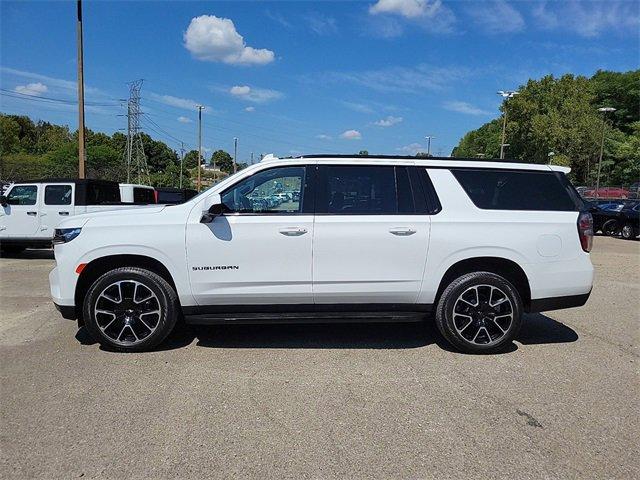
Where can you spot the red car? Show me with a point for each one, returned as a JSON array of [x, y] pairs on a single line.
[[606, 192]]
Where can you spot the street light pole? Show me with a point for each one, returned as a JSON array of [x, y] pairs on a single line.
[[429, 137], [199, 107], [604, 111], [235, 154], [181, 161], [81, 149], [506, 94]]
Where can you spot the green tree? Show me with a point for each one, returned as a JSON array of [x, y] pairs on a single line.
[[222, 160]]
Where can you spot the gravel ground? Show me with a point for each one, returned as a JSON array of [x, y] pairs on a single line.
[[356, 401]]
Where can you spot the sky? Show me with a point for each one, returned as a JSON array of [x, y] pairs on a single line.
[[291, 78]]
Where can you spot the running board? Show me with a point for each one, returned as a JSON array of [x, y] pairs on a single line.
[[302, 317]]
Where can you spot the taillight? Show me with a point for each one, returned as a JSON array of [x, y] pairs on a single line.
[[585, 231]]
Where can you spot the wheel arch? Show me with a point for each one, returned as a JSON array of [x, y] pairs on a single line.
[[504, 267], [99, 266]]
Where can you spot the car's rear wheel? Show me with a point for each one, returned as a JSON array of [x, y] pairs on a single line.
[[628, 232], [610, 227], [130, 309], [479, 312]]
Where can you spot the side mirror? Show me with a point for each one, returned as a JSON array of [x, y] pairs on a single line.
[[215, 209], [3, 201]]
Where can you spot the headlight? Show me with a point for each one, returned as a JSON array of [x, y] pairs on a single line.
[[65, 235]]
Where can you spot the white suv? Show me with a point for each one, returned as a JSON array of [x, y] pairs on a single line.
[[475, 243]]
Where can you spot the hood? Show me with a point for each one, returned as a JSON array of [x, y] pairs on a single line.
[[122, 211]]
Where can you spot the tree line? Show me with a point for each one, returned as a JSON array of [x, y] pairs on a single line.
[[30, 150], [560, 115]]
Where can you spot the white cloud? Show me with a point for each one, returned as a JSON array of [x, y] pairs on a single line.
[[496, 17], [182, 119], [388, 122], [33, 89], [215, 39], [404, 8], [464, 107], [588, 19], [351, 135], [357, 107], [441, 18], [252, 94], [250, 109], [185, 103], [411, 149], [322, 136], [401, 79], [321, 24]]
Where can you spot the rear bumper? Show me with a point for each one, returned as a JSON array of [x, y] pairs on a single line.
[[558, 303]]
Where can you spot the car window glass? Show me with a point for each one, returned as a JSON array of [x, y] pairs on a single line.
[[277, 190], [143, 195], [364, 190], [57, 195], [515, 190], [23, 195], [98, 194]]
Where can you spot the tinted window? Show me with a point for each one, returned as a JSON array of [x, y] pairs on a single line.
[[516, 190], [277, 190], [23, 195], [143, 195], [170, 197], [99, 194], [57, 195], [359, 190]]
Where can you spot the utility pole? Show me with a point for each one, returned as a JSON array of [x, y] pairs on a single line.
[[251, 158], [81, 150], [604, 111], [199, 107], [429, 137], [506, 94], [235, 154], [181, 161]]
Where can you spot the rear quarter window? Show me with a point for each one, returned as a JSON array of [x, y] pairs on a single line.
[[518, 190]]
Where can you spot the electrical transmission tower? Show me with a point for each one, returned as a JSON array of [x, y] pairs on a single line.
[[134, 156]]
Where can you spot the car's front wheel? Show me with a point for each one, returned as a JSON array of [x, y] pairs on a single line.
[[479, 312], [130, 309]]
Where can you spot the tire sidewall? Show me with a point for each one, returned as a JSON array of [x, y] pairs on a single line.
[[455, 289], [168, 309]]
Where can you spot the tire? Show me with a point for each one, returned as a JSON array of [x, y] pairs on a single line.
[[610, 227], [490, 326], [628, 232], [142, 322]]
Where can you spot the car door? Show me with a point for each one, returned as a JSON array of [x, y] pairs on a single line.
[[57, 205], [370, 237], [21, 217], [259, 250]]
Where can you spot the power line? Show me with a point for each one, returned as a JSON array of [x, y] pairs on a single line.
[[26, 96]]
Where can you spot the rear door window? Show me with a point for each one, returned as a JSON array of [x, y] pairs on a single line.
[[98, 194], [57, 195], [517, 189]]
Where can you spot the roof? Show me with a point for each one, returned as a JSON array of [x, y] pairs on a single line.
[[430, 162], [67, 180]]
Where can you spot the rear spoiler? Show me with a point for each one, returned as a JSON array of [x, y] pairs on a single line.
[[558, 168]]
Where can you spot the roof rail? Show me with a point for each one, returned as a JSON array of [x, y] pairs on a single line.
[[407, 157]]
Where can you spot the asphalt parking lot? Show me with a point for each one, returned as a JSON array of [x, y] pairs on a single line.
[[349, 401]]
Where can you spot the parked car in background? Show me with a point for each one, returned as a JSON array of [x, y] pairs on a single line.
[[475, 243], [616, 218], [173, 196], [606, 192], [138, 194], [31, 210]]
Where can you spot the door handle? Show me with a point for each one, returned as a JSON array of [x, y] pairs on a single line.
[[63, 213], [32, 213], [293, 231], [402, 231]]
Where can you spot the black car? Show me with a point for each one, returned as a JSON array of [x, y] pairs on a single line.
[[616, 218]]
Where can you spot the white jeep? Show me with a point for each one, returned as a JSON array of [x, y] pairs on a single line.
[[476, 244]]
